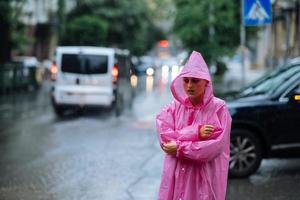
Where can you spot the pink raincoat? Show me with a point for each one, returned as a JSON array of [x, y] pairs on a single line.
[[199, 169]]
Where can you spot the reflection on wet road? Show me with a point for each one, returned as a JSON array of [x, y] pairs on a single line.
[[275, 179], [86, 155]]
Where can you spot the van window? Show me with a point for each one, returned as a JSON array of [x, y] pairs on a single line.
[[84, 63]]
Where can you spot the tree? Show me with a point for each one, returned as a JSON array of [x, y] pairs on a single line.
[[85, 30], [61, 4], [12, 30], [129, 22], [5, 27], [209, 26]]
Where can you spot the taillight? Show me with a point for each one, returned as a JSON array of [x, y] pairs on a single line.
[[115, 73], [53, 71]]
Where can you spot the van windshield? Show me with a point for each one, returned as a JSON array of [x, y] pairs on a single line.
[[84, 63]]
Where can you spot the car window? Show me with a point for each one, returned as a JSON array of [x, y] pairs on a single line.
[[84, 63], [295, 88], [269, 83]]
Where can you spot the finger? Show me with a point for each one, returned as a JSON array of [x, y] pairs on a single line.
[[208, 131], [166, 145], [209, 126], [166, 148]]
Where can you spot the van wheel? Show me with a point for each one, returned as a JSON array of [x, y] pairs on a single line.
[[245, 153], [58, 110]]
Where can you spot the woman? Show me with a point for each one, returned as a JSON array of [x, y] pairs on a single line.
[[194, 132]]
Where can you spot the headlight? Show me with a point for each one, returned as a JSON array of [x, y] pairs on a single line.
[[150, 71]]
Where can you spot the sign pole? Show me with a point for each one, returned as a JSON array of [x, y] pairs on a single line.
[[243, 44], [253, 13]]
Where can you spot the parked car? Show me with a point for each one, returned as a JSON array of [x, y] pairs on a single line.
[[91, 76], [266, 120], [30, 73]]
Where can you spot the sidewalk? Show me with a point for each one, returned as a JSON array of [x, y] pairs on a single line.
[[146, 106]]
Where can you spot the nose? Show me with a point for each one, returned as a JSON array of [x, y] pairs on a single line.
[[189, 84]]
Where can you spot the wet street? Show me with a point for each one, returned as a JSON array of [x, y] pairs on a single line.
[[95, 155]]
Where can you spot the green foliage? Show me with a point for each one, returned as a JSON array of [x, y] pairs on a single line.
[[209, 26], [12, 35], [162, 10], [18, 38], [5, 11], [129, 24], [85, 30], [61, 4], [221, 68]]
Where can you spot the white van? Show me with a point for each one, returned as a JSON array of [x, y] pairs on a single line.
[[89, 76]]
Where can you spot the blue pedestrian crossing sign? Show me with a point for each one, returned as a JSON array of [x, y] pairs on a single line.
[[257, 12]]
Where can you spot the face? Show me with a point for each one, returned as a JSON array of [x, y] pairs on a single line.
[[194, 87]]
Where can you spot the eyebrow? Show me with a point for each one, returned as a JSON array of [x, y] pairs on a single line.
[[192, 78]]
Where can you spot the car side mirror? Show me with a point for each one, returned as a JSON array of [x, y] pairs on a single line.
[[295, 96]]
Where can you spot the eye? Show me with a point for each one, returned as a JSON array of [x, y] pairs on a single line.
[[186, 80], [194, 80]]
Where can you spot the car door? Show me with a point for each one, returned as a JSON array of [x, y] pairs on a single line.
[[287, 118]]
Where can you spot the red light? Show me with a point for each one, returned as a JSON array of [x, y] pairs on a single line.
[[53, 70], [163, 43], [115, 73]]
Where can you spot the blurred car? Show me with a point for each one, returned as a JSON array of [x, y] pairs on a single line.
[[26, 61], [91, 76], [32, 72], [144, 69], [145, 66], [266, 120]]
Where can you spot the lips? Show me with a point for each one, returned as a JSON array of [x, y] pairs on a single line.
[[190, 91]]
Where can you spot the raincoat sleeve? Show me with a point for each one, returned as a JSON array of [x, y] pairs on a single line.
[[205, 150], [166, 127]]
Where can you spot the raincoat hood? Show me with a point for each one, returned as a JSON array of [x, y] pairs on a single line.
[[195, 67]]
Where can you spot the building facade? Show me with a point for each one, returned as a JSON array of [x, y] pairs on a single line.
[[280, 41], [41, 21]]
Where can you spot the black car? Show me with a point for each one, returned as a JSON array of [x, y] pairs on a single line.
[[265, 120]]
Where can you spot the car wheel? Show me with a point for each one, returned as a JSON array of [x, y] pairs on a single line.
[[245, 153]]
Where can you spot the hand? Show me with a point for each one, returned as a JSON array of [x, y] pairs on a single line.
[[206, 131], [170, 147]]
